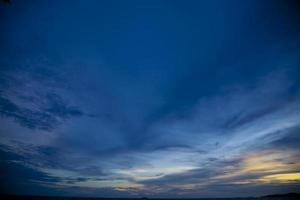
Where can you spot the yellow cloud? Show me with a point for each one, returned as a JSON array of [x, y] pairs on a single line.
[[281, 178], [268, 166], [267, 162]]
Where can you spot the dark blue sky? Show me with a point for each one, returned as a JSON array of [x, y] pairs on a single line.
[[150, 98]]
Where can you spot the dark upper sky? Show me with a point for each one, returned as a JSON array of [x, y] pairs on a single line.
[[150, 98]]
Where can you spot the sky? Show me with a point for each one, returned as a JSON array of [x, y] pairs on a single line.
[[150, 98]]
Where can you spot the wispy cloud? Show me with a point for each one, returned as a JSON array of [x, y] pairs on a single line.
[[33, 103], [224, 140]]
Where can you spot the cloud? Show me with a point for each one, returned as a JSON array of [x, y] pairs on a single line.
[[44, 119], [21, 179], [32, 102], [254, 118], [206, 146], [262, 168], [236, 117], [186, 107], [290, 141]]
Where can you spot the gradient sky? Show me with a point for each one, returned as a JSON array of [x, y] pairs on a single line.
[[150, 98]]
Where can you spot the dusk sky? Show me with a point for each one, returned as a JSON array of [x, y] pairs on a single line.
[[150, 98]]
